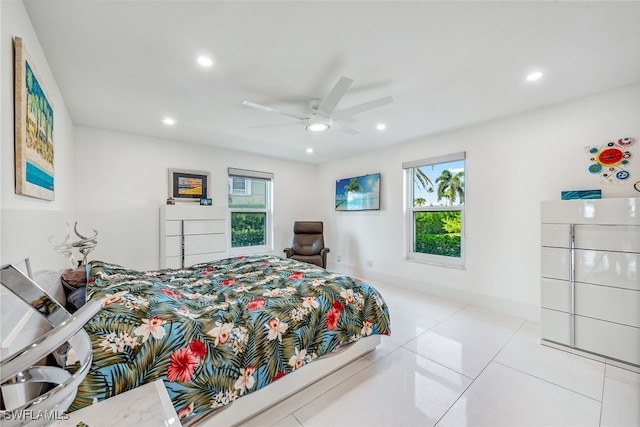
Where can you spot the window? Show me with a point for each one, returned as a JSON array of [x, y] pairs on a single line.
[[434, 209], [240, 186], [250, 210]]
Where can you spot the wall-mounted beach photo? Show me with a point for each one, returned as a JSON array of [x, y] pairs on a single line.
[[358, 193], [34, 159]]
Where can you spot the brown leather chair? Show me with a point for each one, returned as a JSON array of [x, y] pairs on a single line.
[[308, 243]]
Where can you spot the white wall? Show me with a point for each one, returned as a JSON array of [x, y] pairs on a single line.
[[115, 182], [27, 223], [512, 164], [2, 118], [122, 179]]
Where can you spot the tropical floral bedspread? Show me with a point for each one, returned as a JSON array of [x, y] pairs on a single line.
[[217, 331]]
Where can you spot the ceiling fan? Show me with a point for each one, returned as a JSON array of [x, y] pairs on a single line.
[[322, 116]]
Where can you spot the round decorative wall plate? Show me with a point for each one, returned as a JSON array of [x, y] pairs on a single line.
[[610, 160]]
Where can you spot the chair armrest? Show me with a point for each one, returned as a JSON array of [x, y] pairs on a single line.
[[289, 252], [323, 254]]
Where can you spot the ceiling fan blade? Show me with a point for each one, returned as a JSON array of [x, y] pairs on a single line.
[[275, 125], [361, 108], [329, 103], [345, 129], [271, 110]]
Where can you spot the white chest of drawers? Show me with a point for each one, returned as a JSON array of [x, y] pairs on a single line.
[[190, 234], [590, 280]]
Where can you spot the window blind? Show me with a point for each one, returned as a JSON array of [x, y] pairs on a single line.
[[434, 160], [244, 173]]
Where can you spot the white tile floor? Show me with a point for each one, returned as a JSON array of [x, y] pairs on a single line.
[[447, 364]]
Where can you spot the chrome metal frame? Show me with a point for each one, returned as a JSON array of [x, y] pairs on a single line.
[[21, 367], [572, 284]]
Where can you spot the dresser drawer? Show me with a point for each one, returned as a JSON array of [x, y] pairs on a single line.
[[199, 258], [173, 228], [555, 294], [204, 227], [188, 211], [622, 238], [609, 304], [617, 269], [173, 246], [173, 262], [603, 211], [204, 243], [555, 235], [610, 339], [555, 263]]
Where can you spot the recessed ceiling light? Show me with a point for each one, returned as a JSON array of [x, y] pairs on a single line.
[[309, 150], [534, 76], [381, 126], [168, 121], [205, 61]]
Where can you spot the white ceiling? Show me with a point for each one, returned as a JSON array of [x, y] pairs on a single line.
[[124, 65]]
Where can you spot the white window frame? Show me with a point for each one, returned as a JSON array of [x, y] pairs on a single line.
[[410, 210], [268, 178]]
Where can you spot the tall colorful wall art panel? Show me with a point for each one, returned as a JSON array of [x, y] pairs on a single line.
[[33, 129], [611, 160]]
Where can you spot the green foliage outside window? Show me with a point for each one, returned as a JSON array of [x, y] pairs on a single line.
[[438, 233], [248, 229]]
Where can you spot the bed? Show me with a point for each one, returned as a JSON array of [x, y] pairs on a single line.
[[216, 332]]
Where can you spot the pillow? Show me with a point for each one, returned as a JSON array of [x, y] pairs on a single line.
[[77, 298], [73, 279], [74, 282]]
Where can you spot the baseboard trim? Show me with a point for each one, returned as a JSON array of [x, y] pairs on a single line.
[[499, 305], [593, 356]]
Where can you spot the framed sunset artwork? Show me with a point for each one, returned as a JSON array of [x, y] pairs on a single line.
[[188, 185]]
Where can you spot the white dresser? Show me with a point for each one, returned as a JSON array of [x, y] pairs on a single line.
[[190, 234], [590, 281]]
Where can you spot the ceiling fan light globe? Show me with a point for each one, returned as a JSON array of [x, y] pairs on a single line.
[[317, 127], [317, 123]]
